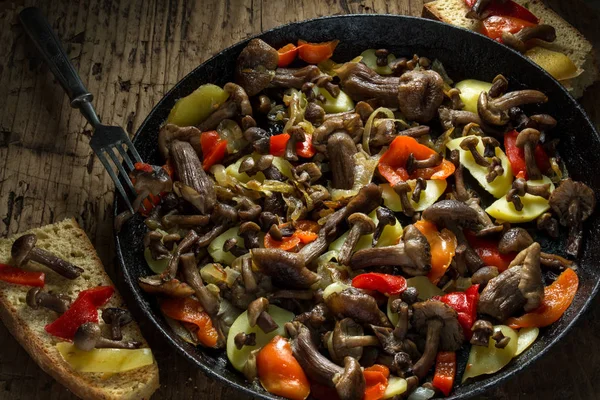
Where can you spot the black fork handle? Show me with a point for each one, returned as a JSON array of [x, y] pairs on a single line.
[[48, 44]]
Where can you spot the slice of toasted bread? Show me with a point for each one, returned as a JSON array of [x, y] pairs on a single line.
[[569, 40], [66, 240]]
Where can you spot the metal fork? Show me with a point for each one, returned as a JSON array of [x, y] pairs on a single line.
[[106, 139]]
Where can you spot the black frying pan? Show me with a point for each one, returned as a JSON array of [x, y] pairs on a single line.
[[465, 55]]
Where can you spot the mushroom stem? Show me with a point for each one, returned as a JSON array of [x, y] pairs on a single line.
[[185, 245], [413, 164], [341, 150], [470, 144], [402, 189], [361, 225], [420, 185], [192, 276], [48, 259], [432, 342], [36, 298], [402, 328], [459, 183], [362, 341], [527, 140]]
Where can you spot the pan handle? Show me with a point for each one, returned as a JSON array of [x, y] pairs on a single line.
[[48, 44]]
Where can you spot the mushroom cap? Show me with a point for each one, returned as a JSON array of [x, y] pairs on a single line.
[[367, 225], [420, 93], [86, 336], [451, 335], [255, 309], [385, 216], [21, 248], [32, 299], [114, 315], [343, 329], [401, 187], [248, 227], [351, 384], [531, 283], [527, 135], [418, 249], [287, 270], [514, 240], [450, 210], [568, 193], [468, 142]]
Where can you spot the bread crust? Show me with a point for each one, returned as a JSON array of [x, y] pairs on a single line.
[[143, 382]]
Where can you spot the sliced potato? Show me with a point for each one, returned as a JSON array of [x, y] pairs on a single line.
[[332, 105], [157, 266], [533, 206], [435, 188], [499, 186], [555, 63], [370, 60], [238, 357], [526, 338], [490, 359], [389, 236], [469, 92], [196, 107]]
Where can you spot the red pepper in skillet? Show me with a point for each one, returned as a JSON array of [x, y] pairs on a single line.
[[383, 283], [516, 155], [213, 148], [465, 304]]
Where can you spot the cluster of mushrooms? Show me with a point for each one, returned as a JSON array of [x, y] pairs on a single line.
[[333, 337], [88, 335]]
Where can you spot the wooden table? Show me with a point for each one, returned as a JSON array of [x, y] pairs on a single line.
[[129, 53]]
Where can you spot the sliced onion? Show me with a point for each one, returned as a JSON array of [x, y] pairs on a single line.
[[369, 125], [364, 168], [421, 393]]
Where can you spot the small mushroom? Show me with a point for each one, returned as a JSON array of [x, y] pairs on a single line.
[[514, 240], [116, 318], [173, 288], [440, 323], [501, 340], [24, 250], [153, 241], [403, 311], [483, 275], [359, 306], [518, 40], [499, 86], [230, 245], [385, 217], [482, 330], [248, 210], [242, 339], [249, 232], [412, 254], [402, 189], [259, 138], [297, 135], [420, 186], [420, 93], [520, 187], [494, 111], [184, 221], [258, 315], [189, 268], [360, 224], [349, 381], [170, 132], [223, 216], [59, 303], [454, 95], [402, 365], [347, 339], [88, 337], [287, 270], [189, 240], [548, 224], [341, 150], [412, 164], [573, 202], [255, 66], [410, 295], [519, 287], [527, 140], [470, 144], [347, 122]]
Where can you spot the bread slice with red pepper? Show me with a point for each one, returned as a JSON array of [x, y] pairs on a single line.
[[569, 41], [69, 242]]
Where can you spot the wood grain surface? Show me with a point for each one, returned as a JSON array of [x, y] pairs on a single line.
[[129, 53]]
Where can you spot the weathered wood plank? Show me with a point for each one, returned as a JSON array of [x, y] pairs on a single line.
[[129, 53]]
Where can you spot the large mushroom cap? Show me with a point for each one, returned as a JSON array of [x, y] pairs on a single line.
[[573, 202], [451, 335], [255, 66], [450, 210], [287, 270]]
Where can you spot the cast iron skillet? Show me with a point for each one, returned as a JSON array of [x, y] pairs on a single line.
[[465, 55]]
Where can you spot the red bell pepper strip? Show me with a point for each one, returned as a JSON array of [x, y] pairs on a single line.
[[443, 247], [557, 298], [488, 251], [383, 283], [19, 276], [376, 379], [494, 26], [213, 148], [278, 143], [508, 9], [190, 311], [304, 234], [445, 370], [465, 304], [392, 165], [287, 55], [314, 53], [279, 372], [84, 309], [516, 155]]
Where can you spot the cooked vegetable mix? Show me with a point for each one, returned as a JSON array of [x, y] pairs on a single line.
[[347, 229]]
